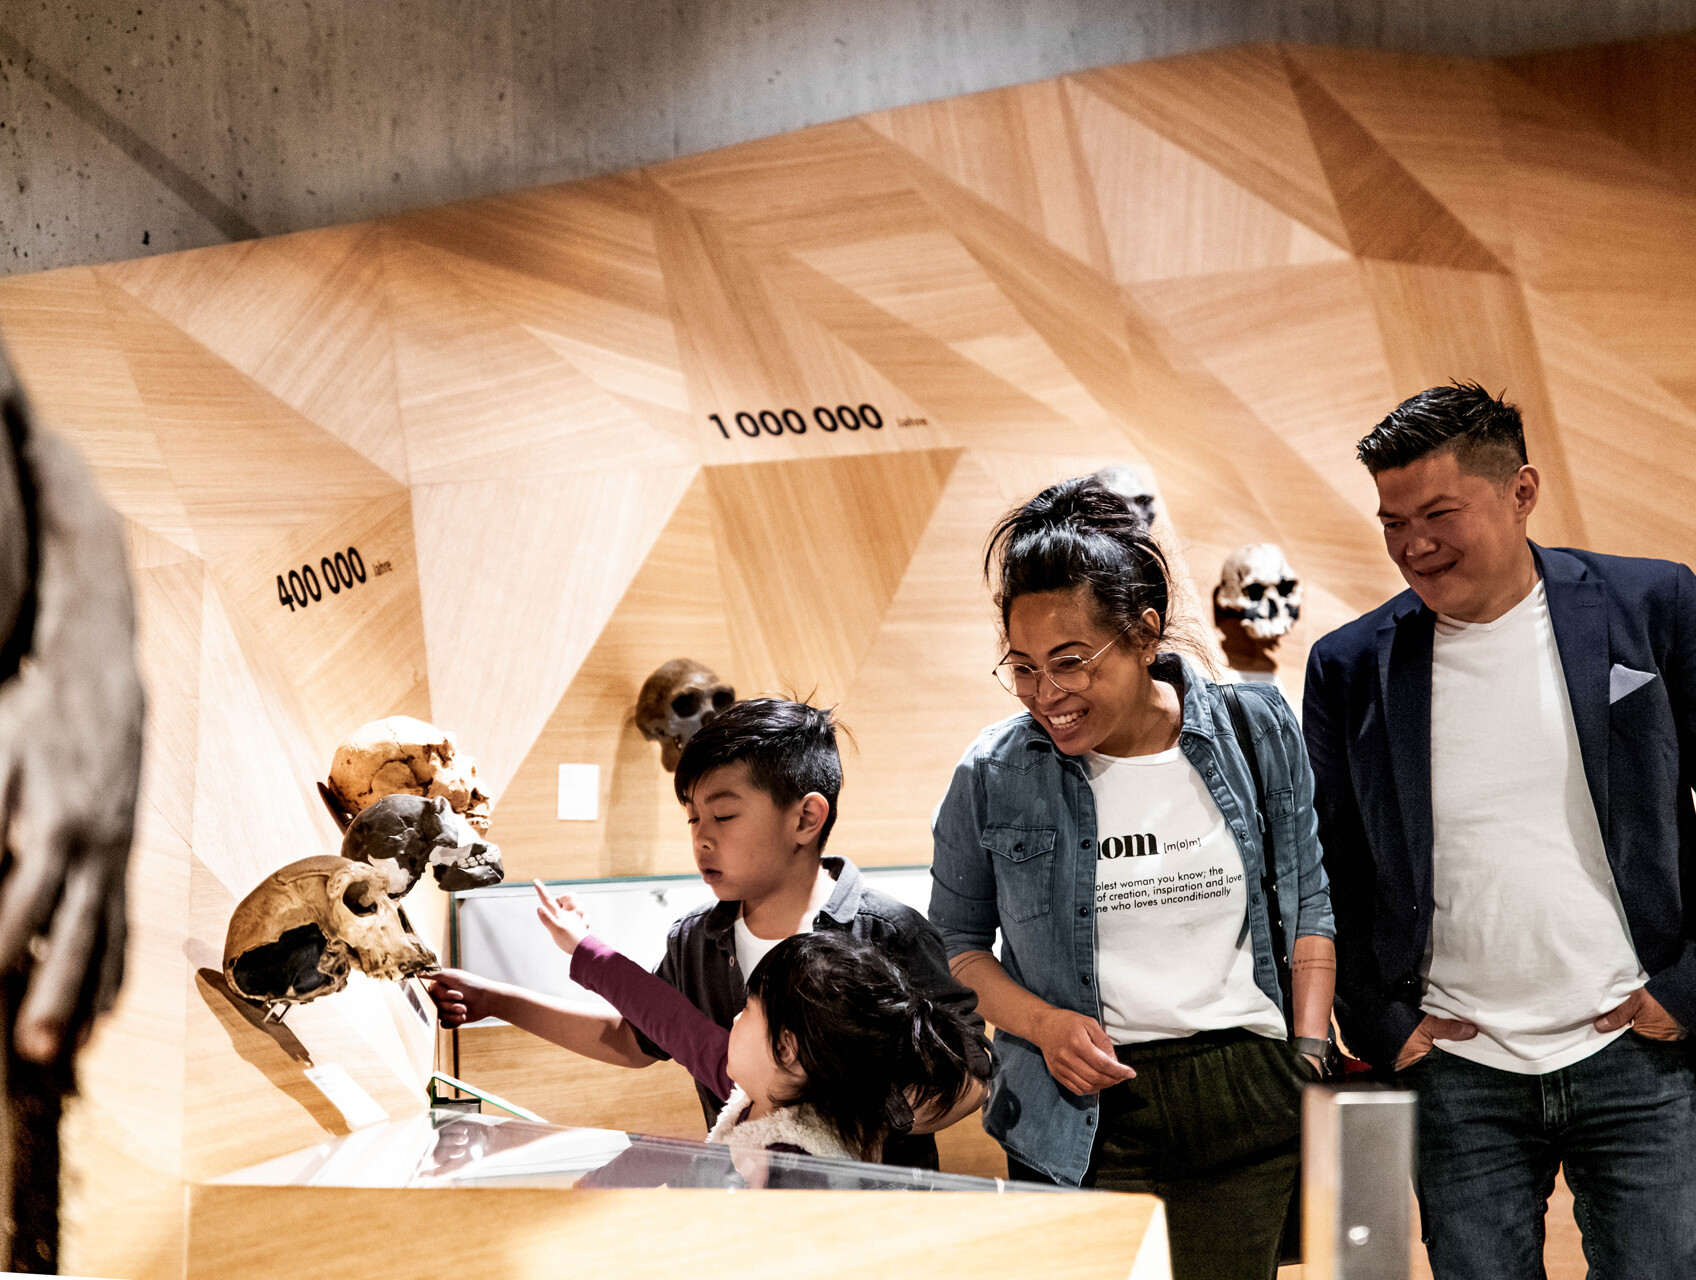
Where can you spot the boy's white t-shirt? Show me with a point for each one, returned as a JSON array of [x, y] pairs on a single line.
[[1529, 940], [1172, 956], [750, 950]]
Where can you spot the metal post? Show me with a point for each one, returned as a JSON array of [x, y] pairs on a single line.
[[1357, 1153]]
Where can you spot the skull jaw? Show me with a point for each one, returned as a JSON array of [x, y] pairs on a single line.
[[392, 963], [1271, 629], [1244, 652], [457, 870], [671, 751]]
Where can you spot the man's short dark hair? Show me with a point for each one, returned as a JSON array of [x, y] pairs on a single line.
[[789, 748], [1483, 431]]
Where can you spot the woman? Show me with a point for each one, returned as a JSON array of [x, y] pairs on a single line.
[[1111, 835]]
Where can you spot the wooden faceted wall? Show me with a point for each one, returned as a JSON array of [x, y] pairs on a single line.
[[560, 433]]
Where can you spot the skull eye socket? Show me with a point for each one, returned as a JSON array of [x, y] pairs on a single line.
[[686, 704], [1286, 585], [722, 699], [1254, 590], [359, 899]]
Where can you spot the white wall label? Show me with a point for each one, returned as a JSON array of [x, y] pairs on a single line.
[[579, 792]]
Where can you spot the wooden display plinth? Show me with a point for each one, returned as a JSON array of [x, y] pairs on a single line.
[[330, 1233]]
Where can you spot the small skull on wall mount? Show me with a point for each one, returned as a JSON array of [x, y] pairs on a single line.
[[680, 697], [1256, 603]]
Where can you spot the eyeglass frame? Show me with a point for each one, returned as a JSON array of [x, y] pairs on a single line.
[[1044, 671]]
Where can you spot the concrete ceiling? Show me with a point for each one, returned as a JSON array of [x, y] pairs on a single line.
[[153, 125]]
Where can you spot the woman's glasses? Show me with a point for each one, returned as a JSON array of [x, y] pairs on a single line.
[[1069, 673]]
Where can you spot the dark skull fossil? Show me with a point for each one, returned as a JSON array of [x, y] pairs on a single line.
[[401, 835], [676, 701]]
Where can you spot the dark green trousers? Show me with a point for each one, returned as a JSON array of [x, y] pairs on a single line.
[[1211, 1125]]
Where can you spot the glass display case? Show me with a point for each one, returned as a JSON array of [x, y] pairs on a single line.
[[444, 1147]]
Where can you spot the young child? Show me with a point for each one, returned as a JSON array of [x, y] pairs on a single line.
[[830, 1055], [759, 783]]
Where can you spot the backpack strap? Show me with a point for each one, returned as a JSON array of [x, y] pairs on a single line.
[[1268, 877]]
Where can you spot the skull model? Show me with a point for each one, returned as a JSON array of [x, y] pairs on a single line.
[[403, 755], [1258, 589], [401, 835], [676, 701], [1130, 486], [298, 935]]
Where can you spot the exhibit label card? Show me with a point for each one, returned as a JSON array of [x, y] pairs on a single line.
[[358, 1108], [579, 792]]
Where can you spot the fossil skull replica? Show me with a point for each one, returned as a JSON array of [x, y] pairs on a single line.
[[402, 835], [1258, 589], [307, 926], [401, 755], [677, 700], [1130, 486]]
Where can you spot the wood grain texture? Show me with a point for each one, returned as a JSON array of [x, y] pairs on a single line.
[[1221, 269], [525, 1233]]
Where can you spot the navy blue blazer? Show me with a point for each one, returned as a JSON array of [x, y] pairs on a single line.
[[1626, 632]]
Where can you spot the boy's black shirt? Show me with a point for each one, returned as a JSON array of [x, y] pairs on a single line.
[[700, 961]]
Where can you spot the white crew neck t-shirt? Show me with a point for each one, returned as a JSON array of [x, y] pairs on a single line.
[[1529, 939], [750, 950], [1171, 954]]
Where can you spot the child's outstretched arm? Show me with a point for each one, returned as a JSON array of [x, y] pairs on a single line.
[[662, 1011], [464, 997]]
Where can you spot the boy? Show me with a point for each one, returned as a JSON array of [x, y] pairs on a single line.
[[759, 783]]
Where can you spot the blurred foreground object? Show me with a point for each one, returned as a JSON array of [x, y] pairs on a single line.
[[1357, 1182], [70, 764]]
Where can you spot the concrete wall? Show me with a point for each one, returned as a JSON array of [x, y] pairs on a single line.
[[130, 127]]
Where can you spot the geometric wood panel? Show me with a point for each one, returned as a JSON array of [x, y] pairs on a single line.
[[563, 427]]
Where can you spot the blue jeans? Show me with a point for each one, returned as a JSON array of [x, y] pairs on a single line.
[[1622, 1123]]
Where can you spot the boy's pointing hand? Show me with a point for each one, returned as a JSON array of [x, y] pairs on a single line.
[[562, 919]]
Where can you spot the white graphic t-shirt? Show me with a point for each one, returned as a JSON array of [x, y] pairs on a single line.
[[1170, 905]]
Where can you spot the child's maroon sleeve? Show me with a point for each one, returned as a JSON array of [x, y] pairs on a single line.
[[658, 1009]]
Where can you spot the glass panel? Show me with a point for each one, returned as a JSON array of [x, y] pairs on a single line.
[[450, 1148]]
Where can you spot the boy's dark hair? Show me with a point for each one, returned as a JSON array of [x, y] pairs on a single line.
[[789, 748], [1080, 533], [1483, 431], [870, 1046]]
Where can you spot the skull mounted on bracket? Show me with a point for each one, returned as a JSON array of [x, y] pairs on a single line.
[[397, 756], [1129, 485], [307, 926], [676, 701], [402, 835], [1256, 603]]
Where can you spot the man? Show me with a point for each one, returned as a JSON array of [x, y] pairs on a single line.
[[1503, 762]]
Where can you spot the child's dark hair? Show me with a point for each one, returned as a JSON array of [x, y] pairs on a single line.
[[871, 1046], [1483, 431], [789, 748], [1080, 533]]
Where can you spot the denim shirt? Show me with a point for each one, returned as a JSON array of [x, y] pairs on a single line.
[[1015, 851]]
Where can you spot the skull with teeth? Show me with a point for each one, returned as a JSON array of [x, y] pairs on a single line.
[[1258, 591], [307, 926], [402, 835], [676, 701], [1130, 486], [401, 755]]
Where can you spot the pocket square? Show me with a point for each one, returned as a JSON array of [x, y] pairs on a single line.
[[1623, 680]]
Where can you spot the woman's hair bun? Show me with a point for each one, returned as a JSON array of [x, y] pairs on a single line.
[[1081, 533]]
